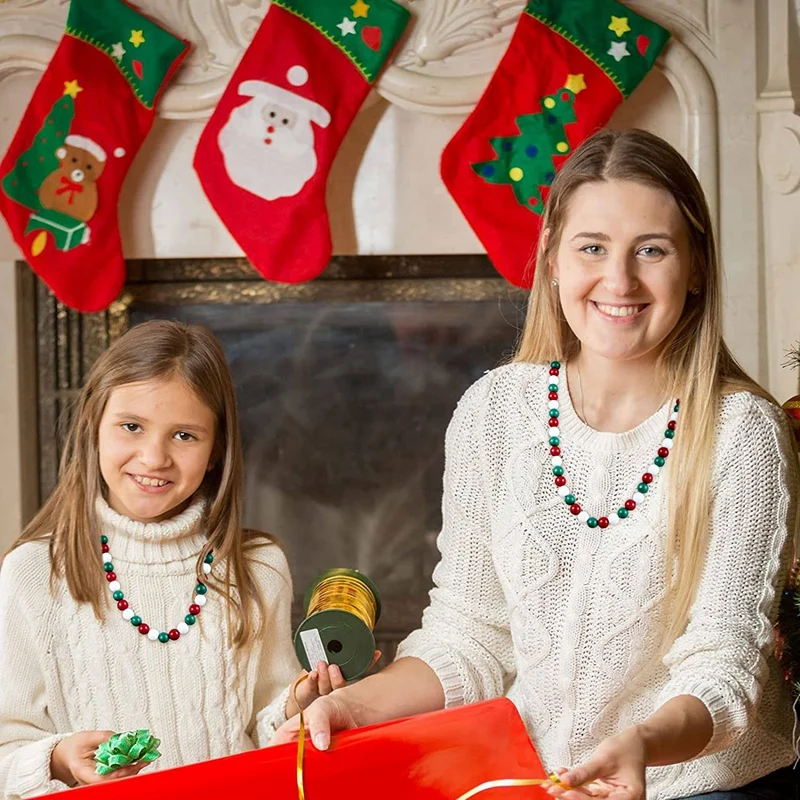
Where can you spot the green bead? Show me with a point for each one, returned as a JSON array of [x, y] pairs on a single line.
[[659, 462], [553, 412], [643, 488], [558, 470], [676, 408], [622, 513], [591, 522], [108, 566], [190, 619], [670, 434], [163, 637], [569, 499], [118, 595], [136, 621], [553, 387], [201, 588], [554, 441], [209, 558], [104, 539], [555, 364]]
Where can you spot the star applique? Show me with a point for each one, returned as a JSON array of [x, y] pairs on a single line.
[[71, 88], [117, 51], [137, 38], [618, 50], [359, 8], [347, 26], [619, 25], [575, 83]]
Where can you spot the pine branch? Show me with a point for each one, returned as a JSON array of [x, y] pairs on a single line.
[[793, 357]]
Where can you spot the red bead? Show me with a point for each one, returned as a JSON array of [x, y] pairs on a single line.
[[575, 509], [194, 609], [111, 576], [553, 422], [663, 451], [630, 505], [144, 629], [552, 396], [561, 480], [553, 371], [647, 478], [103, 548], [174, 634], [672, 424], [122, 605], [555, 451], [602, 522]]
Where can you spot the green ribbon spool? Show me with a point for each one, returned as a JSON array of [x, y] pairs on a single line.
[[127, 748], [336, 635]]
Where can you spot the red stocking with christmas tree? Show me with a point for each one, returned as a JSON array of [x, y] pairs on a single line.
[[567, 67], [264, 157], [61, 177]]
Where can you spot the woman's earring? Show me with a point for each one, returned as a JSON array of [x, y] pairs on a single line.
[[555, 281], [696, 291]]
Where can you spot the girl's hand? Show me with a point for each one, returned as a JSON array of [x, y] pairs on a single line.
[[317, 683], [323, 717], [72, 761], [615, 771]]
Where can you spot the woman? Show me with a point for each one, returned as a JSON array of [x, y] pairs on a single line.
[[621, 591]]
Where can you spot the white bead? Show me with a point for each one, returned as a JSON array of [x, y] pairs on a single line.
[[654, 469], [200, 599], [667, 443], [583, 516], [673, 417], [556, 379], [114, 586], [613, 519], [554, 432], [638, 497], [152, 634], [563, 491], [557, 461], [183, 628], [206, 568], [106, 558], [127, 613], [553, 404]]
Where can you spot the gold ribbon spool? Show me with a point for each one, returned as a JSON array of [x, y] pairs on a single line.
[[344, 593], [483, 787]]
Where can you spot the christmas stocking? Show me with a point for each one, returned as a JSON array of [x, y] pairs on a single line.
[[60, 179], [567, 67], [264, 157]]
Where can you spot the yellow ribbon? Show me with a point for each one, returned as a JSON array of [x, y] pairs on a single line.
[[483, 787], [345, 593]]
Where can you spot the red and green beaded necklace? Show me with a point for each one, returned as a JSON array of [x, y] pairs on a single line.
[[642, 489], [128, 613]]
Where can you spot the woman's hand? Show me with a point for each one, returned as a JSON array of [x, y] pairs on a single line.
[[72, 761], [616, 770]]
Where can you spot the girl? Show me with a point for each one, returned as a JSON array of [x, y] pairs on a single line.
[[621, 591], [147, 511]]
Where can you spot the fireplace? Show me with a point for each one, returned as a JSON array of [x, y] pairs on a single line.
[[345, 388]]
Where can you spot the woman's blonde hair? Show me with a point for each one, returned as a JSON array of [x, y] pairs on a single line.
[[157, 350], [695, 364]]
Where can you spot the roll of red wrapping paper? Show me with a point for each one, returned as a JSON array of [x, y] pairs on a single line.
[[437, 756]]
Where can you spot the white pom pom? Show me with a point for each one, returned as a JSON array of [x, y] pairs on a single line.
[[613, 519], [583, 516], [106, 558], [152, 634], [114, 586], [557, 461], [183, 628], [200, 599], [206, 568], [667, 443], [127, 613], [563, 491], [654, 469], [638, 497], [554, 432], [297, 75], [553, 404]]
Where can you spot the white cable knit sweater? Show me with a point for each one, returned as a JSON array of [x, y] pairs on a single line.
[[530, 602], [61, 671]]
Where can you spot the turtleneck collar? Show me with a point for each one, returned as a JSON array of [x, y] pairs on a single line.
[[179, 538]]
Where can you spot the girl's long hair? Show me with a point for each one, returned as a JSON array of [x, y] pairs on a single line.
[[152, 351], [695, 364]]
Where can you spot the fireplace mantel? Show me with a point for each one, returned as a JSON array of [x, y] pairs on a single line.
[[724, 92]]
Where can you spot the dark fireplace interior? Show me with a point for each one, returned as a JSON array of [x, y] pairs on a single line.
[[345, 388]]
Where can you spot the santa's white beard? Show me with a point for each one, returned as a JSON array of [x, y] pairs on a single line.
[[270, 171]]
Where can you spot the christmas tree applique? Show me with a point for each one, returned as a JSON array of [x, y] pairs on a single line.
[[525, 162]]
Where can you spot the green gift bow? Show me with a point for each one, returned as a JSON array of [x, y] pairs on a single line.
[[126, 748]]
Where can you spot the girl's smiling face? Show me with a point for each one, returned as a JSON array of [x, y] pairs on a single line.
[[624, 268], [156, 440]]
